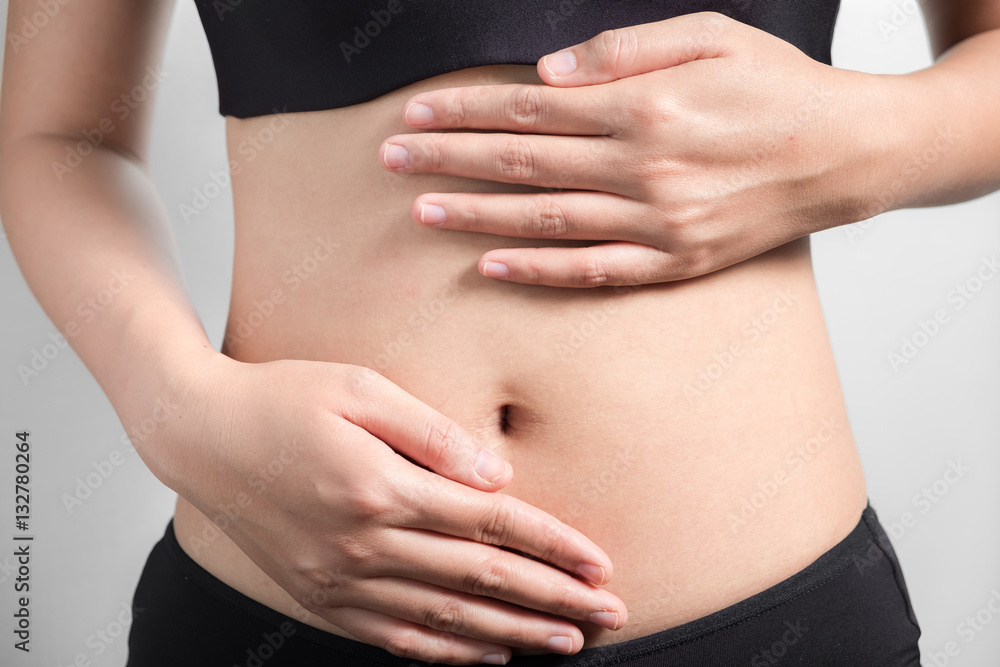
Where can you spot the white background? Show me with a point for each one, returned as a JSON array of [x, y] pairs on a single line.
[[876, 284]]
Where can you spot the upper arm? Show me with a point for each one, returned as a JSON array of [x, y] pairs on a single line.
[[83, 69], [951, 21]]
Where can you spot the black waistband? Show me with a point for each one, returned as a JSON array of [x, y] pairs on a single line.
[[864, 537]]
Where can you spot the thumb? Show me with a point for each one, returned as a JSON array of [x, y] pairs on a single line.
[[633, 50]]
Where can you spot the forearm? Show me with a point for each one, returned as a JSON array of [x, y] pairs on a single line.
[[947, 146], [96, 250]]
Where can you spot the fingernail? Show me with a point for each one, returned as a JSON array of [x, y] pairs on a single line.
[[593, 573], [432, 214], [560, 645], [419, 114], [495, 659], [489, 466], [605, 619], [560, 64], [493, 269], [396, 156]]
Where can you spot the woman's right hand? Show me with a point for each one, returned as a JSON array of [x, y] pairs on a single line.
[[315, 471]]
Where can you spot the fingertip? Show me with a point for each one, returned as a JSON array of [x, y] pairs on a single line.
[[491, 268], [558, 65], [493, 470], [418, 114]]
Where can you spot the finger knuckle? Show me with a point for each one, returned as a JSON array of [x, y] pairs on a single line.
[[498, 525], [461, 108], [547, 219], [516, 160], [368, 504], [432, 153], [564, 602], [476, 217], [694, 262], [713, 23], [446, 615], [319, 586], [595, 271], [653, 110], [550, 548], [618, 45], [355, 551], [311, 600], [360, 383], [444, 441], [532, 272], [523, 108], [489, 579]]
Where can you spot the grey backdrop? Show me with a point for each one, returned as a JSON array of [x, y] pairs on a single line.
[[877, 282]]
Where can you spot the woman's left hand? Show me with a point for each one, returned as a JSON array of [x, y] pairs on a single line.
[[680, 147]]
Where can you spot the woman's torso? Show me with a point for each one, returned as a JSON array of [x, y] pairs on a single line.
[[694, 430]]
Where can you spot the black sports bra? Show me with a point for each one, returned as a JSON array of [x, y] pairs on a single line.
[[306, 55]]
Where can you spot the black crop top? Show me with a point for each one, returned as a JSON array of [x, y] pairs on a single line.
[[306, 55]]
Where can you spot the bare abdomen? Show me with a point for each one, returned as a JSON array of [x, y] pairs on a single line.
[[645, 417]]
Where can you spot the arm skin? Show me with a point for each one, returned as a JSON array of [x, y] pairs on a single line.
[[961, 89], [70, 231], [676, 179]]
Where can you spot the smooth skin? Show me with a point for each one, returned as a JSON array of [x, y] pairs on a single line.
[[69, 230], [351, 502], [678, 179]]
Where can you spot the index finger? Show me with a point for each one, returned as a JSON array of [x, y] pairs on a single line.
[[504, 521], [531, 108], [413, 428]]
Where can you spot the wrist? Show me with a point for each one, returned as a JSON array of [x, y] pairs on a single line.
[[910, 135], [162, 392], [875, 138]]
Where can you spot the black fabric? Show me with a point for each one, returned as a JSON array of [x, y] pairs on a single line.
[[306, 55], [849, 608]]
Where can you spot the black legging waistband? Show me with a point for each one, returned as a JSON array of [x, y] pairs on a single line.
[[861, 565]]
